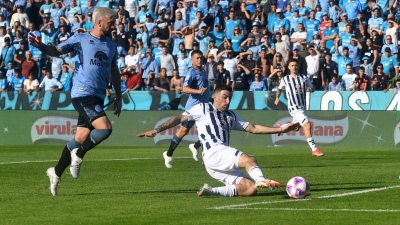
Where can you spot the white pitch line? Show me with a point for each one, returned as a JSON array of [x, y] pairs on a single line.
[[91, 160], [292, 200], [333, 210]]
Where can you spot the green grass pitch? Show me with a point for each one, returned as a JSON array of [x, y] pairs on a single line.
[[130, 185]]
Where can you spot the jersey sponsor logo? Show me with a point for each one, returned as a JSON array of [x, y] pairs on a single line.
[[100, 59], [91, 41]]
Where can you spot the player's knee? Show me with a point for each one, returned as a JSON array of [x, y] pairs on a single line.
[[98, 136]]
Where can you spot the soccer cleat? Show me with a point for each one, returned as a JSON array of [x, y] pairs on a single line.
[[194, 151], [317, 152], [271, 184], [54, 180], [76, 162], [205, 190], [168, 160]]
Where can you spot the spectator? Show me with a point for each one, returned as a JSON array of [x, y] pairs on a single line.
[[335, 85], [56, 66], [124, 39], [142, 35], [140, 49], [73, 10], [210, 69], [329, 70], [7, 54], [179, 21], [390, 63], [143, 13], [162, 83], [223, 76], [274, 79], [295, 21], [313, 70], [389, 44], [17, 82], [28, 65], [183, 63], [303, 52], [299, 36], [4, 22], [301, 62], [17, 40], [371, 52], [64, 34], [279, 22], [351, 8], [133, 79], [380, 81], [46, 8], [368, 68], [151, 77], [31, 84], [88, 24], [87, 9], [282, 47], [149, 64], [10, 72], [257, 84], [167, 62], [361, 83], [66, 77], [259, 16], [3, 82], [133, 59], [343, 59], [20, 16], [348, 78], [355, 48], [57, 12], [312, 25], [218, 35], [241, 80], [49, 34], [397, 88], [176, 82], [50, 83], [124, 20]]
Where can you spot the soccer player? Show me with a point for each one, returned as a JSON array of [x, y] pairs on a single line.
[[296, 86], [196, 85], [223, 163], [98, 57]]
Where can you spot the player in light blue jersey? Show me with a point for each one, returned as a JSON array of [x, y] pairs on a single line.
[[196, 86], [97, 55]]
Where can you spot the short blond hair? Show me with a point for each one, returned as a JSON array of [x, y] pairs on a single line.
[[104, 12]]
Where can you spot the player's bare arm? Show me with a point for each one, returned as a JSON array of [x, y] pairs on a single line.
[[46, 49], [166, 125], [260, 129], [278, 94], [188, 90], [116, 81]]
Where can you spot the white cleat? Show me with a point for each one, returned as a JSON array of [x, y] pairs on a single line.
[[194, 151], [75, 166], [54, 180], [168, 160]]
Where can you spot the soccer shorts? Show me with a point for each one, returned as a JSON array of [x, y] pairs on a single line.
[[299, 116], [187, 124], [221, 163], [89, 108]]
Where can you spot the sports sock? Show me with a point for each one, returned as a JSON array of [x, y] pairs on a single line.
[[95, 137], [174, 144], [197, 144], [63, 162], [256, 173], [227, 191], [311, 143]]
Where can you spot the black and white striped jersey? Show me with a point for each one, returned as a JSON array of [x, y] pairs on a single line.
[[214, 126], [295, 88]]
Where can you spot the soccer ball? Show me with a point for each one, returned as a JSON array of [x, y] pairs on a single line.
[[297, 187]]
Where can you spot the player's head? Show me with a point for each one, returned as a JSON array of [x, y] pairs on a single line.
[[197, 57], [104, 20], [293, 66], [222, 97]]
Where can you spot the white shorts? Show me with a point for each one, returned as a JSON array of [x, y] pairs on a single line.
[[299, 116], [221, 163]]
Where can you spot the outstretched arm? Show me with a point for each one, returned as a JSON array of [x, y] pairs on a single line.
[[46, 49], [166, 125], [260, 129]]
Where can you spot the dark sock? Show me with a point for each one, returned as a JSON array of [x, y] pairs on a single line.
[[63, 162], [86, 146], [197, 144], [174, 144]]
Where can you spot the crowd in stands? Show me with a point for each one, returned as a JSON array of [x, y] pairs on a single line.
[[339, 44]]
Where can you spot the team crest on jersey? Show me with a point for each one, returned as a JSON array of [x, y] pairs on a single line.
[[98, 108], [100, 59], [298, 86]]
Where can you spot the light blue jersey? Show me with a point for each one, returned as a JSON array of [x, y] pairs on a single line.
[[375, 23], [184, 65], [17, 83], [296, 21], [96, 58], [66, 81], [389, 62], [342, 62], [196, 79], [312, 27], [352, 9], [345, 39], [333, 13], [330, 32]]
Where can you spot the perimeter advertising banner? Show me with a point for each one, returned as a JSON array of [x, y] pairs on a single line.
[[333, 128]]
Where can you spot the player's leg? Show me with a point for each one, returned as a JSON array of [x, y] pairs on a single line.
[[176, 139], [302, 118], [194, 148], [254, 171]]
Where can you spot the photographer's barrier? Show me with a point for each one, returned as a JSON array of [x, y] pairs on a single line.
[[333, 128]]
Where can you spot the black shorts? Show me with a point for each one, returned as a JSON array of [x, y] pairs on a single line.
[[89, 108]]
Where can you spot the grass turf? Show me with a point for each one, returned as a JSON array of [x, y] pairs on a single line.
[[132, 186]]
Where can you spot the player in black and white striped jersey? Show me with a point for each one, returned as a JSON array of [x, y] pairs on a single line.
[[296, 86], [224, 163]]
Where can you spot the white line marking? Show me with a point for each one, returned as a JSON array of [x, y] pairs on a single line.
[[292, 200], [334, 210], [90, 160]]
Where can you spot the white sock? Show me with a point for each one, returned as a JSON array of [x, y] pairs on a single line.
[[256, 173], [227, 191], [311, 143]]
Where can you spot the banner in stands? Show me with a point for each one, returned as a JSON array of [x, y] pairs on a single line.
[[330, 128], [258, 100]]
